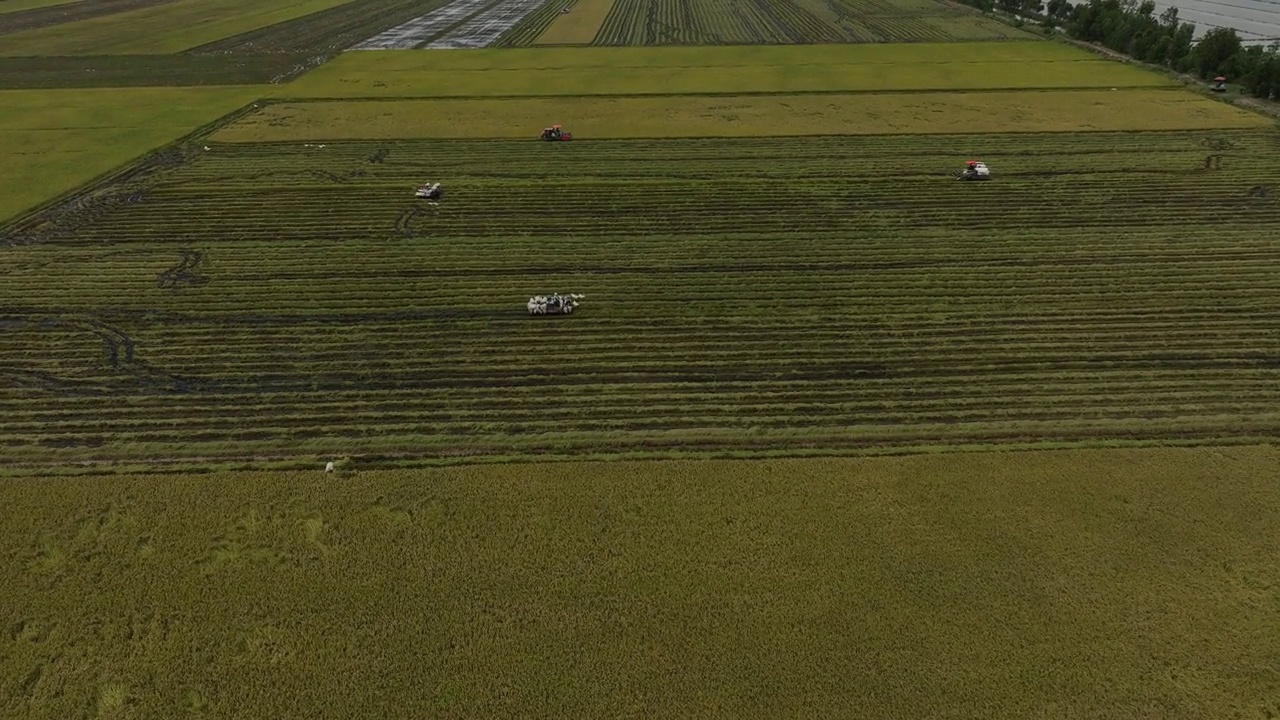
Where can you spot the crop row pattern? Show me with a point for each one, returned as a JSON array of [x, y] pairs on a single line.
[[770, 295], [721, 22]]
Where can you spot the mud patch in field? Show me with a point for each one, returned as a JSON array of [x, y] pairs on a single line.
[[460, 24], [484, 29], [118, 364], [419, 30]]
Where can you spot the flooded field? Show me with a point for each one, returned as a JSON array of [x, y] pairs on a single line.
[[1257, 21]]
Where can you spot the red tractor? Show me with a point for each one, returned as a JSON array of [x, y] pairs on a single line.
[[555, 134]]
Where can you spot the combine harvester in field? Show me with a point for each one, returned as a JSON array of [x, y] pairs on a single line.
[[974, 170], [553, 304], [556, 134], [429, 192]]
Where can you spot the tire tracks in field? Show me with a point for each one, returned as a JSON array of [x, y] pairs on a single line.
[[185, 273], [120, 356], [60, 221], [298, 69], [405, 223], [770, 13], [656, 31]]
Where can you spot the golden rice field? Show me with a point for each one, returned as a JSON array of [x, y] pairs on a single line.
[[558, 71], [742, 116], [1068, 584], [263, 293]]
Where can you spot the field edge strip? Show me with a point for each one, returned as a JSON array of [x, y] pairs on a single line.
[[394, 461], [286, 99]]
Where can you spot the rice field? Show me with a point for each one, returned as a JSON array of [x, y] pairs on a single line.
[[761, 22], [162, 28], [579, 25], [112, 43], [831, 435], [563, 72], [56, 141], [687, 116], [9, 6], [278, 301], [1070, 584]]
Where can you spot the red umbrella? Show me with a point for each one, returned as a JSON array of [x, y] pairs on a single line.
[[1219, 79]]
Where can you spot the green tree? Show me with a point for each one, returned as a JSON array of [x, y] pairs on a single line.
[[1131, 27], [1263, 78], [1180, 53], [1215, 50]]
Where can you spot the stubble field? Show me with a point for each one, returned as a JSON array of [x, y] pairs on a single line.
[[759, 296], [777, 273]]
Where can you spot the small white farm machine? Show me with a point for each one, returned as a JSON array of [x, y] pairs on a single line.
[[554, 304], [429, 192], [974, 170]]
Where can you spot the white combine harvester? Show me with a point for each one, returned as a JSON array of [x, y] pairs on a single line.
[[429, 192], [974, 170], [554, 304]]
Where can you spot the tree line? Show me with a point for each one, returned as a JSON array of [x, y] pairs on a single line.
[[1134, 29]]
